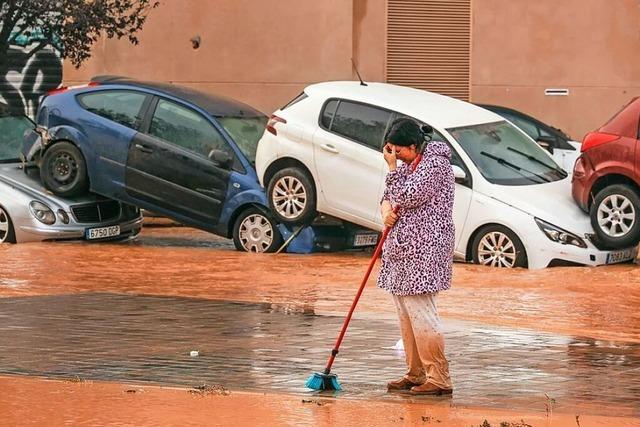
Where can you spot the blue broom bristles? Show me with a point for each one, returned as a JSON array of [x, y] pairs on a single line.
[[320, 381]]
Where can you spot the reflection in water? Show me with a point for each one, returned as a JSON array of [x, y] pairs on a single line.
[[261, 347]]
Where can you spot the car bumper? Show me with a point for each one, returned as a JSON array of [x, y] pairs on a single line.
[[542, 254], [36, 232]]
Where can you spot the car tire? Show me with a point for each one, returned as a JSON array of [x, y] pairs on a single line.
[[63, 170], [615, 216], [292, 196], [256, 231], [497, 246], [7, 232]]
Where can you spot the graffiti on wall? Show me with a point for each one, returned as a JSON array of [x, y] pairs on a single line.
[[29, 77]]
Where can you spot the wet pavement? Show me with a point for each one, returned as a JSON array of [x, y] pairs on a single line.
[[133, 311], [259, 347]]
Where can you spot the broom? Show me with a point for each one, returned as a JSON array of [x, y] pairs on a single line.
[[326, 380]]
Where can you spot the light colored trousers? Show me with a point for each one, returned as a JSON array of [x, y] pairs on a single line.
[[423, 340]]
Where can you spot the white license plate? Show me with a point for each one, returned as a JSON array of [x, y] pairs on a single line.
[[102, 232], [621, 256], [365, 239]]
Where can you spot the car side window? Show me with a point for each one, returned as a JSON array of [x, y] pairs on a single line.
[[527, 127], [328, 113], [187, 129], [121, 106], [362, 123]]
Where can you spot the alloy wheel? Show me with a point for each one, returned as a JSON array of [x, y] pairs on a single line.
[[616, 215], [289, 197], [497, 250], [256, 233], [4, 226]]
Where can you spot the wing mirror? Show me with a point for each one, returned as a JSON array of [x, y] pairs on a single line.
[[221, 158], [546, 142], [459, 174]]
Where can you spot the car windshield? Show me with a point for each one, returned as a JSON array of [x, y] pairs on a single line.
[[246, 132], [506, 156], [12, 129]]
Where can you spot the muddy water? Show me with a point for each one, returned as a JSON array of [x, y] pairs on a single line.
[[599, 302], [96, 403]]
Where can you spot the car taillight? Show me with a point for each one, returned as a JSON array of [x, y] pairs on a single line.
[[66, 88], [593, 139], [272, 123], [57, 90]]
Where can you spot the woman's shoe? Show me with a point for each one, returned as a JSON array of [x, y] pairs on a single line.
[[401, 384], [430, 389]]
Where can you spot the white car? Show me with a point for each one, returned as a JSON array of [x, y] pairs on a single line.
[[513, 206]]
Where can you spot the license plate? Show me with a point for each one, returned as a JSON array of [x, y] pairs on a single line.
[[102, 232], [621, 256], [365, 239]]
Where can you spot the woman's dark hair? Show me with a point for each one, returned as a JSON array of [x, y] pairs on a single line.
[[405, 132]]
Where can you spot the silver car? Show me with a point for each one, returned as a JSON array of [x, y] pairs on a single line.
[[28, 212]]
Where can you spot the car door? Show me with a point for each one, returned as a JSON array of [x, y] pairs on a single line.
[[348, 159], [169, 164]]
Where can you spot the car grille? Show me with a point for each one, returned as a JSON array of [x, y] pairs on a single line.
[[96, 212]]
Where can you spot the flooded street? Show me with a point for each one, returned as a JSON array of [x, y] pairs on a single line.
[[96, 317], [597, 302]]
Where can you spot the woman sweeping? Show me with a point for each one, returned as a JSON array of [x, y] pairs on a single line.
[[417, 257]]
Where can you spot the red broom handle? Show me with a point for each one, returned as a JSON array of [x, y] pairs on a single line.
[[374, 258]]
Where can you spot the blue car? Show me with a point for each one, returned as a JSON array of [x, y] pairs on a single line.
[[172, 150]]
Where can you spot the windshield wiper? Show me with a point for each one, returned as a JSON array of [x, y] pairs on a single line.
[[540, 162], [516, 168]]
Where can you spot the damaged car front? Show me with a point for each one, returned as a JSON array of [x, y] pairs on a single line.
[[28, 212]]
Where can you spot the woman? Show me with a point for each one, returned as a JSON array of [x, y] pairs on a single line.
[[417, 257]]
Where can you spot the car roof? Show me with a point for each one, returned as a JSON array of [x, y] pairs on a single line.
[[216, 105], [432, 108]]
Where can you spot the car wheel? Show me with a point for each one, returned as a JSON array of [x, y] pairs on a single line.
[[292, 196], [7, 233], [63, 170], [615, 216], [255, 231], [497, 246]]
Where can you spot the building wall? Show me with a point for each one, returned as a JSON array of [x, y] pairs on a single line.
[[590, 47], [265, 52], [260, 52]]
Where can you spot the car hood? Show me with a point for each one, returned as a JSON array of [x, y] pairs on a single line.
[[551, 202], [13, 175]]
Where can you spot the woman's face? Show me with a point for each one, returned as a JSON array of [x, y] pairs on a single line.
[[406, 154]]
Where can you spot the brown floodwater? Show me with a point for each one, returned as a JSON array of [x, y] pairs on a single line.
[[102, 403], [597, 302]]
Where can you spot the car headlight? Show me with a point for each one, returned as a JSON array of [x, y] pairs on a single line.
[[42, 213], [559, 235], [62, 216]]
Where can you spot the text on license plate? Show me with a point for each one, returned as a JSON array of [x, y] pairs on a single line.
[[365, 239], [621, 256], [102, 232]]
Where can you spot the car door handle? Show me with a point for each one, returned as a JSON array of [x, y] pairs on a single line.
[[330, 148], [144, 148]]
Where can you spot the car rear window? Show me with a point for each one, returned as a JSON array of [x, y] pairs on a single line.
[[12, 129], [362, 123], [121, 106]]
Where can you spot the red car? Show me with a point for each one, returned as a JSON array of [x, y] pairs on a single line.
[[606, 178]]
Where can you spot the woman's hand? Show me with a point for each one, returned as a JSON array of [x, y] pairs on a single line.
[[390, 218], [389, 154]]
